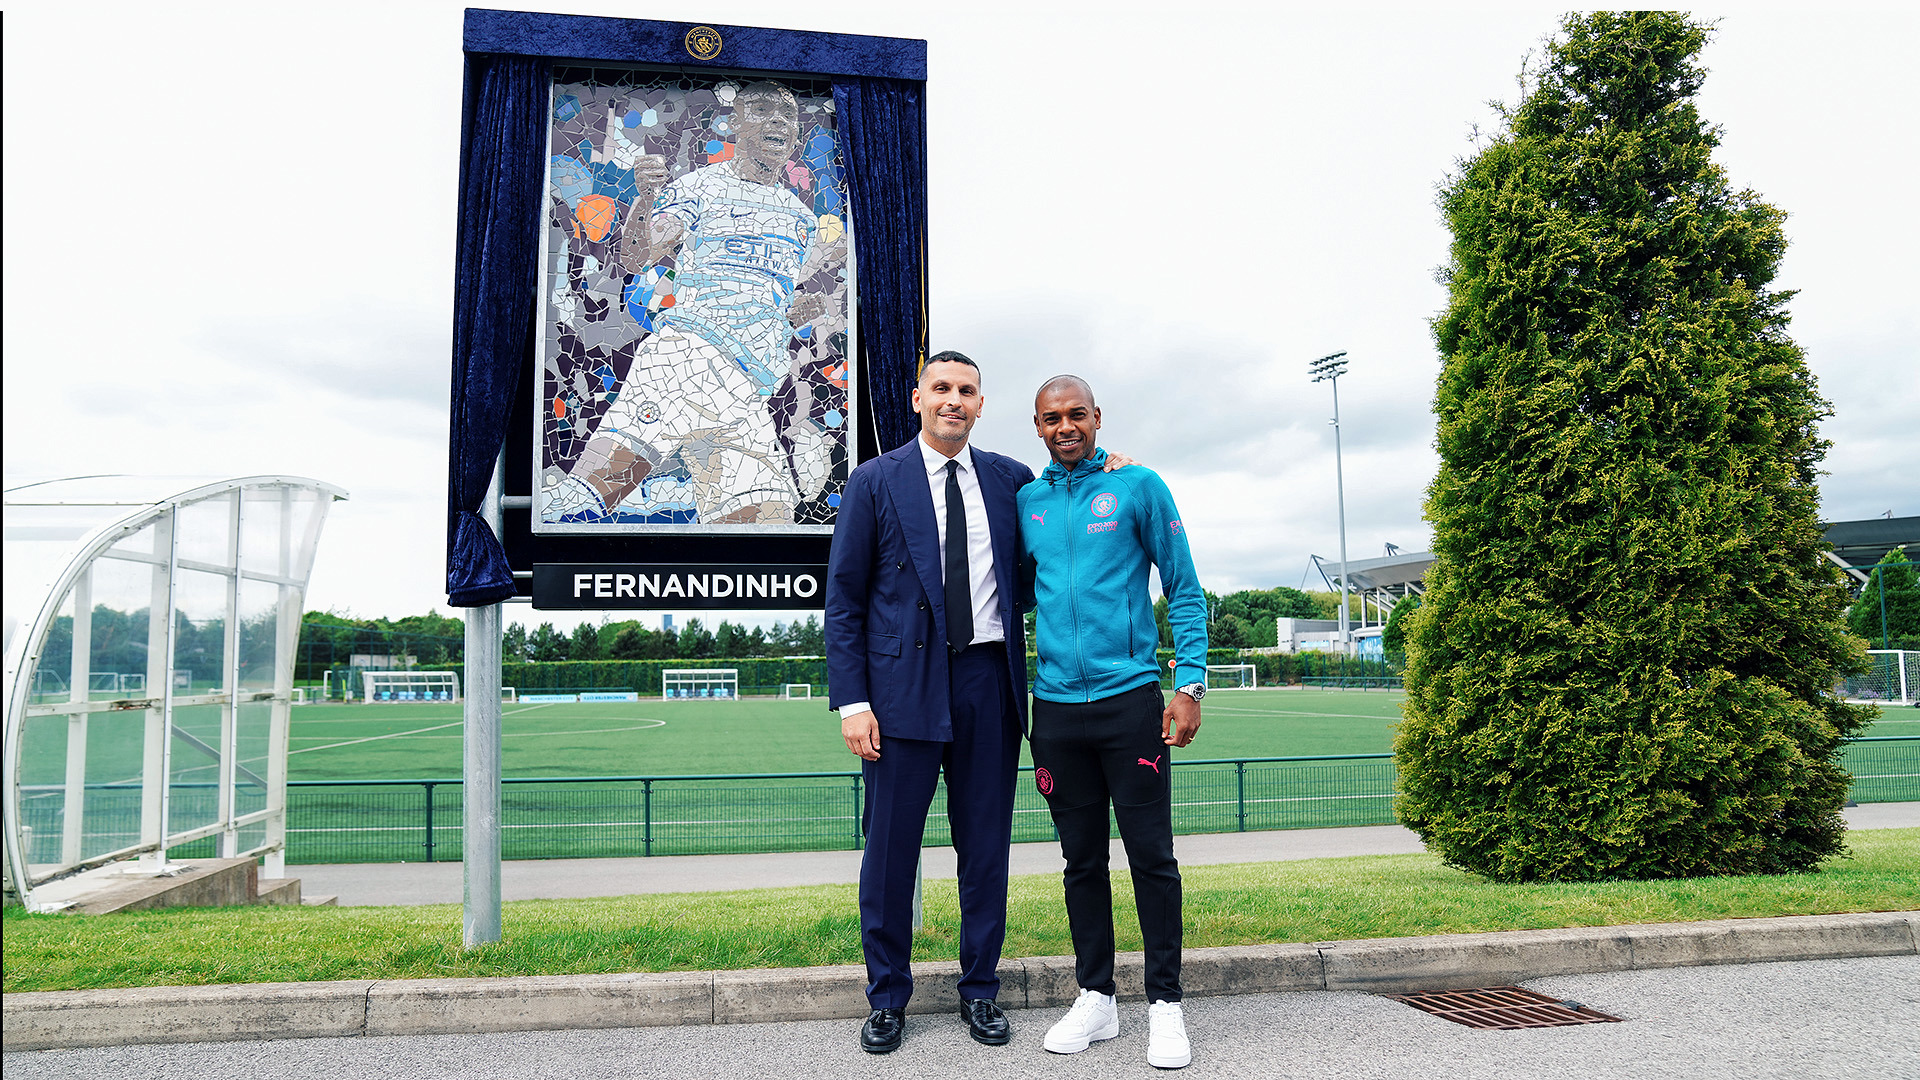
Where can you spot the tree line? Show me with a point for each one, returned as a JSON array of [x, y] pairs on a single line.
[[629, 640]]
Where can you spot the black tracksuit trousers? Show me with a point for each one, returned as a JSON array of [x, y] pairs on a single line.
[[1085, 756]]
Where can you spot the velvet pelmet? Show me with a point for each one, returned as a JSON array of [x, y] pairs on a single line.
[[645, 41]]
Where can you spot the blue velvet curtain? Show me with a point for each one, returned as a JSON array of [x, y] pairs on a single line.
[[502, 165], [884, 123]]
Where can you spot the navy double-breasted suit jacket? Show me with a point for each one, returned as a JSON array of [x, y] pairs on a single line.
[[886, 612]]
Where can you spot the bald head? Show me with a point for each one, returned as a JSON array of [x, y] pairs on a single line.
[[1058, 382]]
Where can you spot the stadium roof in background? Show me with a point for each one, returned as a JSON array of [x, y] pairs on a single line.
[[1393, 573], [1855, 544], [1863, 543]]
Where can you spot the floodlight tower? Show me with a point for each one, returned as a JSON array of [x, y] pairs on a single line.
[[1329, 369]]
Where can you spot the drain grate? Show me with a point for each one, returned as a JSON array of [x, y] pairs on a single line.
[[1503, 1008]]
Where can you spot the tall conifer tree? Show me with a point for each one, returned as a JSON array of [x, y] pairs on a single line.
[[1622, 666]]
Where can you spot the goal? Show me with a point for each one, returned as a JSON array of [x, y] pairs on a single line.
[[1892, 678], [115, 682], [409, 686], [1231, 677], [797, 691], [680, 684], [509, 696]]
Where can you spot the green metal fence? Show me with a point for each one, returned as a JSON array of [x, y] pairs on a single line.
[[588, 817], [1354, 682]]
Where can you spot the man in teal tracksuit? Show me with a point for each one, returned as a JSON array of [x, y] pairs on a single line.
[[1101, 728]]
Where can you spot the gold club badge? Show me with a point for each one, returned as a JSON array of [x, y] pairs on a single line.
[[703, 43]]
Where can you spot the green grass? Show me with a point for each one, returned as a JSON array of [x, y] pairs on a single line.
[[660, 738], [1316, 900], [648, 738]]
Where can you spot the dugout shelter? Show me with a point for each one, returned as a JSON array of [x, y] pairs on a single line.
[[151, 629]]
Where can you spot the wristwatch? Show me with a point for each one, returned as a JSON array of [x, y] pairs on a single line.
[[1194, 690]]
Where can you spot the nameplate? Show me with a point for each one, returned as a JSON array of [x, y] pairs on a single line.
[[676, 586]]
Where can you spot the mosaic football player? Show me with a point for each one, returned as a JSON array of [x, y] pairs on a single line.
[[695, 404], [1101, 730]]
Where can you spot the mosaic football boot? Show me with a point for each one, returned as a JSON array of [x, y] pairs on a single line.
[[572, 500], [1091, 1019]]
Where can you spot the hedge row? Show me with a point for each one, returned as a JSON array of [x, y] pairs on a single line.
[[766, 674]]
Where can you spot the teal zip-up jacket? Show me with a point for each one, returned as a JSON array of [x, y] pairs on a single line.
[[1086, 540]]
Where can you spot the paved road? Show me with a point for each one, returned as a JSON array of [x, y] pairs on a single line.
[[1858, 1019], [560, 879]]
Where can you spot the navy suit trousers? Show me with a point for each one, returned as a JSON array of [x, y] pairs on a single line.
[[981, 764]]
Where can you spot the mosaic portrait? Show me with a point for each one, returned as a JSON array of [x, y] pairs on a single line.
[[697, 286]]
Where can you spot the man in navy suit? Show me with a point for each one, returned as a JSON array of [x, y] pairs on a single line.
[[926, 663]]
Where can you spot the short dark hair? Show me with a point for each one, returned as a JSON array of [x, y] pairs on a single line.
[[949, 356]]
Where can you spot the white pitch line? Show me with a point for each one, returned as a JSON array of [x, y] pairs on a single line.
[[421, 733], [393, 734], [542, 734], [375, 738]]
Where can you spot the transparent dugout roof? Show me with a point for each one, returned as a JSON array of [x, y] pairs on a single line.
[[150, 630]]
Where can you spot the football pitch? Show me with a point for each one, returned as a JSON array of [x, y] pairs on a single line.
[[680, 738], [380, 782]]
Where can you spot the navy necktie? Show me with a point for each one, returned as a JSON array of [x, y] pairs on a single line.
[[959, 583]]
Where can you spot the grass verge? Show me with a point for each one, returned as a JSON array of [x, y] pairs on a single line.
[[1314, 900]]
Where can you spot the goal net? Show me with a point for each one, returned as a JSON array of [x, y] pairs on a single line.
[[1231, 677], [509, 696], [1892, 678], [797, 691], [680, 684], [409, 686]]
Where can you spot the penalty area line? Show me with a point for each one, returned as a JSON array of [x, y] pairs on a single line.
[[401, 734]]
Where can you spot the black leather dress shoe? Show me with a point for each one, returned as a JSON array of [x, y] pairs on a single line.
[[881, 1033], [985, 1022]]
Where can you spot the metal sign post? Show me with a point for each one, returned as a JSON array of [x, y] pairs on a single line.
[[480, 821]]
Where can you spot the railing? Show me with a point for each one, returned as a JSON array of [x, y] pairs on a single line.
[[1354, 682], [588, 817], [591, 817]]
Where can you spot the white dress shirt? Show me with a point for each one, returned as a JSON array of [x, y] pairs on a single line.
[[979, 540]]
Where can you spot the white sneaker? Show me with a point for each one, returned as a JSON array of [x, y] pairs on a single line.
[[1167, 1046], [1091, 1019]]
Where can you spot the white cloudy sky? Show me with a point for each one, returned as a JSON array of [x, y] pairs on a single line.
[[229, 238]]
